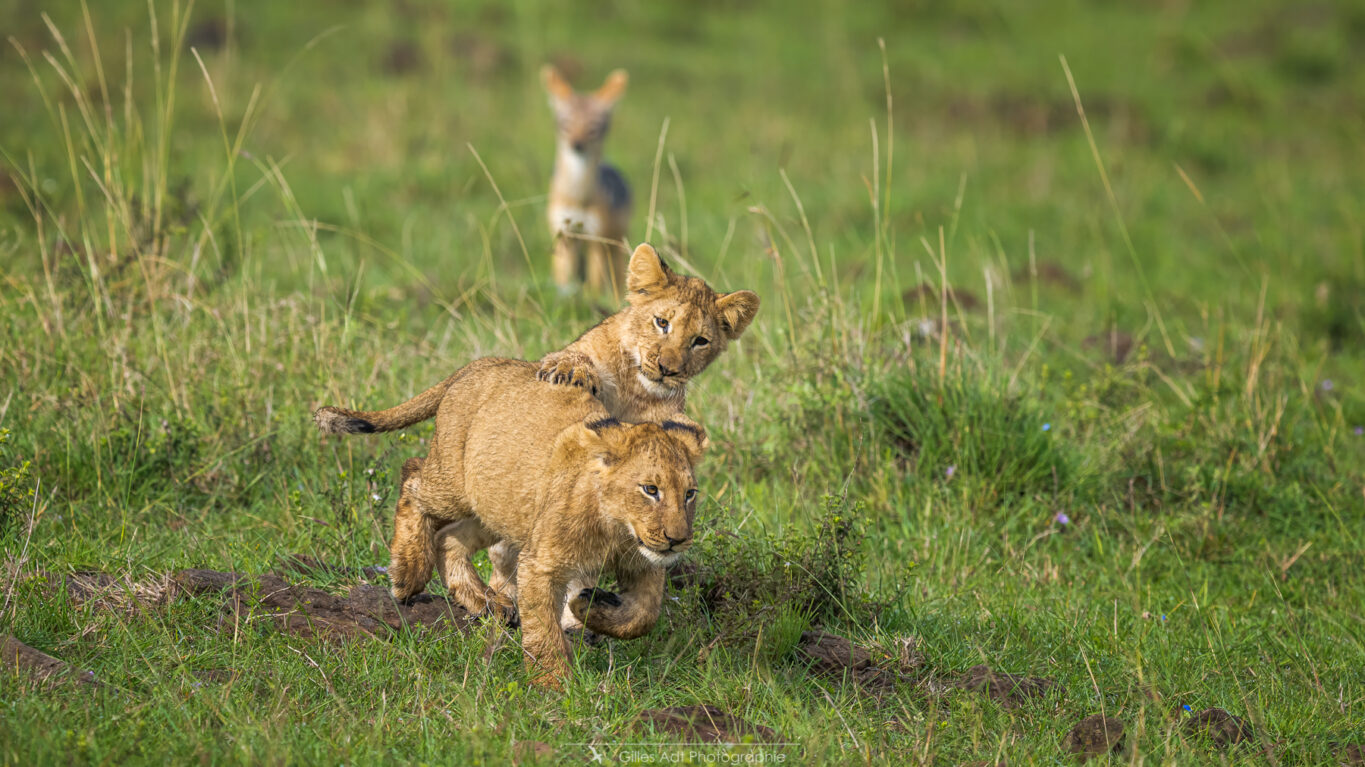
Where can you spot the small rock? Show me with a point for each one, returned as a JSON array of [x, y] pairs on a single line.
[[1094, 735]]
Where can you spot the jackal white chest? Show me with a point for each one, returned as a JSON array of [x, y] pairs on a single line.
[[575, 219], [573, 192]]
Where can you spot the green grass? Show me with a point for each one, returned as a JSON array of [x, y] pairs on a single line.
[[195, 255]]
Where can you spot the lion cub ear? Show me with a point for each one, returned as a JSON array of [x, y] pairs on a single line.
[[647, 271], [737, 310], [597, 439], [689, 433]]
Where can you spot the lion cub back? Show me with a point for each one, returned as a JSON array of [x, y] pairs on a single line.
[[495, 436]]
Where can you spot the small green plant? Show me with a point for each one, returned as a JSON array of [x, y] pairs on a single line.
[[967, 430], [16, 490], [778, 586]]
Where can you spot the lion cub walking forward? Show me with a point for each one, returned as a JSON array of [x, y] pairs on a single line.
[[547, 471]]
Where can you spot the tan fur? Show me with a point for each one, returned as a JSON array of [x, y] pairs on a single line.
[[589, 206], [639, 361], [546, 474]]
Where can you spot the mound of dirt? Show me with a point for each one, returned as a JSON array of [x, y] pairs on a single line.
[[199, 582], [532, 752], [1220, 727], [1350, 754], [838, 658], [39, 665], [1007, 689], [1095, 735], [111, 592], [707, 724], [367, 611]]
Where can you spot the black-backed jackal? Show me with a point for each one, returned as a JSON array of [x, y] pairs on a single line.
[[589, 200]]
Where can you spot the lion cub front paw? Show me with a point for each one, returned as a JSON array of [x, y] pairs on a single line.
[[594, 597], [569, 370]]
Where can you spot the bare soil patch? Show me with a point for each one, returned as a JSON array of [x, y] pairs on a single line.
[[366, 611]]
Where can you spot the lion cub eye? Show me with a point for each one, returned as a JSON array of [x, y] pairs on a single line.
[[699, 342], [661, 324], [650, 490], [691, 494]]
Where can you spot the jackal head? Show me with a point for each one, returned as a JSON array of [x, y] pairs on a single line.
[[582, 119]]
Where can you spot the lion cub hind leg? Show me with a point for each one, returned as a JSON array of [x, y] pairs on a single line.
[[456, 544], [503, 580], [412, 552]]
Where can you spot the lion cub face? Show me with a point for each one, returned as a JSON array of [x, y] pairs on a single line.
[[646, 482], [676, 325]]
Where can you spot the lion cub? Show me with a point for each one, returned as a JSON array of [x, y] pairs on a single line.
[[639, 360], [546, 471]]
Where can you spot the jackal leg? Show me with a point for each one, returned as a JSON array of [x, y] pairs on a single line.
[[564, 262]]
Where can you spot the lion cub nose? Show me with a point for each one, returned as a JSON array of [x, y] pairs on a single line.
[[666, 371], [673, 542]]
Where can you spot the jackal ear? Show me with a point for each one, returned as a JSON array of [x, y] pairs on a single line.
[[690, 433], [613, 88], [647, 271], [737, 310], [555, 84]]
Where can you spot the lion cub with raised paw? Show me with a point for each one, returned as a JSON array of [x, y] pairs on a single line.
[[546, 471], [638, 361]]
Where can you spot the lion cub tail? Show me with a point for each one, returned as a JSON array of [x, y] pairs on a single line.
[[336, 420]]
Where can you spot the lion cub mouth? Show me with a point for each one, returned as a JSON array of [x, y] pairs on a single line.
[[658, 387], [664, 558]]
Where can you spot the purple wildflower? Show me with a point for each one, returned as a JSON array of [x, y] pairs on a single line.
[[953, 470], [1360, 430], [1062, 518], [1047, 427], [1327, 384]]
